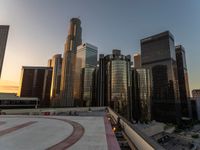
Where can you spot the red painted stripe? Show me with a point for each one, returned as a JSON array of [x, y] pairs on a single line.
[[110, 136], [77, 133], [9, 130]]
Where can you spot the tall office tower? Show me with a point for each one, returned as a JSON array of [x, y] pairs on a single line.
[[137, 60], [56, 64], [86, 61], [36, 82], [117, 82], [141, 93], [182, 80], [100, 83], [196, 93], [3, 40], [69, 60], [87, 86], [158, 54]]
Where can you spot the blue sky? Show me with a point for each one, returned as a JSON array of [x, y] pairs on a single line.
[[38, 28]]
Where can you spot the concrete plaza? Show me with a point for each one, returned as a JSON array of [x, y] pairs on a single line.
[[19, 132]]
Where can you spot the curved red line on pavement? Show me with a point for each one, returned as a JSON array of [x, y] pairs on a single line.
[[77, 133], [12, 129]]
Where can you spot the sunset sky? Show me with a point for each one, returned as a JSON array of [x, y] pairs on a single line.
[[38, 29]]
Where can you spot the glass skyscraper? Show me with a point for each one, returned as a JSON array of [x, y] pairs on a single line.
[[115, 71], [3, 40], [158, 54], [69, 60], [183, 80], [86, 61], [141, 93]]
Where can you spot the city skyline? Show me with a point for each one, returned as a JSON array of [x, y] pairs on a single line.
[[48, 40]]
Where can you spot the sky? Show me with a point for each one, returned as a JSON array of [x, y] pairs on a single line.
[[38, 29]]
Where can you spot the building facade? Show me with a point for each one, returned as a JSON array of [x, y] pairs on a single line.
[[115, 87], [86, 61], [36, 82], [3, 40], [141, 95], [158, 54], [196, 93], [137, 60], [56, 64], [182, 80], [69, 59]]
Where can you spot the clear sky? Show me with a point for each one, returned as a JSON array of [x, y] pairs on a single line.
[[38, 28]]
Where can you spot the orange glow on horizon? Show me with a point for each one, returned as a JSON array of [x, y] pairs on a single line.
[[8, 86]]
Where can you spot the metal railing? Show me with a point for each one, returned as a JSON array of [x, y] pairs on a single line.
[[138, 138]]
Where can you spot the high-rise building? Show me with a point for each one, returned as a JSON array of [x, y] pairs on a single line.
[[3, 40], [196, 93], [86, 60], [115, 71], [56, 64], [99, 98], [137, 60], [87, 86], [158, 54], [182, 80], [36, 82], [69, 60], [141, 94]]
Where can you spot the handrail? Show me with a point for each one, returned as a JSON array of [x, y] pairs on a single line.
[[140, 140]]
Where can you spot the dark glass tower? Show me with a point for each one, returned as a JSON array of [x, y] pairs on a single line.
[[182, 80], [36, 82], [158, 54], [115, 82], [141, 93], [69, 60], [3, 40]]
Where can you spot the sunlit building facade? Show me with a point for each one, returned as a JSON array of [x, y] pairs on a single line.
[[3, 40], [36, 82], [69, 59], [56, 64], [158, 54], [137, 60]]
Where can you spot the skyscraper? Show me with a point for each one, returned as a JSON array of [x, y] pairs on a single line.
[[69, 60], [36, 82], [56, 64], [99, 83], [3, 40], [158, 54], [182, 80], [137, 60], [116, 87], [86, 61], [141, 93]]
